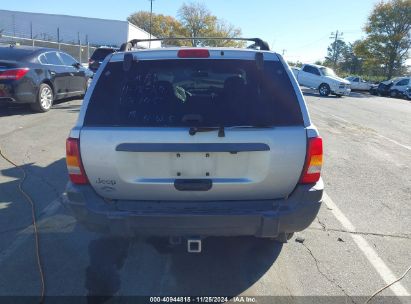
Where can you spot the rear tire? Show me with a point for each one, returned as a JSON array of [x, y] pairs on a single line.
[[324, 89], [44, 100]]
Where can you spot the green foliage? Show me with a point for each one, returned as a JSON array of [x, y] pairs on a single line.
[[298, 64], [388, 40], [162, 26], [383, 52], [194, 20], [336, 52]]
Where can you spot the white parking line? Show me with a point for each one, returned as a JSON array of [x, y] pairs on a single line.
[[383, 270], [394, 142], [379, 135], [26, 233]]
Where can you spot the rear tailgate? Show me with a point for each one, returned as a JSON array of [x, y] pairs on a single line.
[[135, 142], [143, 164]]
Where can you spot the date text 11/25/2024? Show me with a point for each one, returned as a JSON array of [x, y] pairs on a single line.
[[237, 299]]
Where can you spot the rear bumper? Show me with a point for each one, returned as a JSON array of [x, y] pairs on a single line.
[[17, 92], [261, 218]]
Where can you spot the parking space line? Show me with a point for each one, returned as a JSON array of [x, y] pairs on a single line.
[[27, 232], [394, 142], [379, 135], [379, 265]]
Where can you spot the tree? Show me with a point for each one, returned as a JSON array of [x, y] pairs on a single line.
[[297, 64], [335, 53], [195, 20], [162, 26], [388, 37], [199, 22], [351, 63]]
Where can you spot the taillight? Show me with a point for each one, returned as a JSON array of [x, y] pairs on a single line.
[[193, 53], [13, 74], [73, 160], [313, 161]]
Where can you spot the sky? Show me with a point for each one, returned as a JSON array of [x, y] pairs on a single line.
[[299, 28]]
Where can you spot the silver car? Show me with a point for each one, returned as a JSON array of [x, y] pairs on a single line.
[[198, 142]]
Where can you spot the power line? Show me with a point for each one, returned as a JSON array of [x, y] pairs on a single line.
[[310, 43]]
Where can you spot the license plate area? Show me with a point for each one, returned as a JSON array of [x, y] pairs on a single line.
[[193, 164]]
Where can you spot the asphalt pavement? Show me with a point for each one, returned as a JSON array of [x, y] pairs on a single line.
[[360, 241]]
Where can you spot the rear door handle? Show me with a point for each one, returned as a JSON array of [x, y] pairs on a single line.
[[193, 184]]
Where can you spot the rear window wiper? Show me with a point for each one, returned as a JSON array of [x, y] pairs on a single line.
[[221, 131], [193, 130]]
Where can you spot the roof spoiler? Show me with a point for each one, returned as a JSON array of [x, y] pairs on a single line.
[[259, 44]]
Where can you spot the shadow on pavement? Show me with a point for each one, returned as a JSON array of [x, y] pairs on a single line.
[[318, 95], [226, 267], [43, 184], [355, 94], [24, 109]]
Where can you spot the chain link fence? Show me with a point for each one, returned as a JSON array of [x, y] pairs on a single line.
[[80, 52], [16, 30]]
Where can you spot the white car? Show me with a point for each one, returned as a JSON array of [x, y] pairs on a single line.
[[359, 84], [322, 79]]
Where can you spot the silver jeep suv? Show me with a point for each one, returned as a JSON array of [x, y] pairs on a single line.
[[195, 142]]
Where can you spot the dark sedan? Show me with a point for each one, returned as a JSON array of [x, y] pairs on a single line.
[[383, 88], [39, 76], [98, 57]]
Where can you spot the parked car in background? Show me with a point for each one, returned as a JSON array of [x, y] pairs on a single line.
[[98, 56], [358, 84], [384, 88], [407, 93], [381, 89], [39, 76], [195, 142], [295, 70], [399, 86], [322, 79]]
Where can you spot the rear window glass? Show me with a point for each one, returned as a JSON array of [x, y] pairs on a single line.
[[192, 92], [52, 58], [101, 54]]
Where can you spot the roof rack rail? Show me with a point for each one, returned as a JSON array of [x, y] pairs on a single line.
[[258, 43]]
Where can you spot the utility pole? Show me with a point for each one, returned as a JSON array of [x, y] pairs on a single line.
[[151, 17], [58, 37], [335, 36]]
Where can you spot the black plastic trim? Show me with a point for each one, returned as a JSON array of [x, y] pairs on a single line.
[[197, 147], [193, 184]]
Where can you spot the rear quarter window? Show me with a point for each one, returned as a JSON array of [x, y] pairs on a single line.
[[192, 92]]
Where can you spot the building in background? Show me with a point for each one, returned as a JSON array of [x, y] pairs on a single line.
[[65, 32]]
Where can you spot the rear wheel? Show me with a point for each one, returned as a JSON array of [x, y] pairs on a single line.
[[45, 98], [324, 89]]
